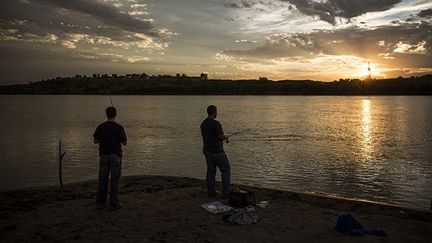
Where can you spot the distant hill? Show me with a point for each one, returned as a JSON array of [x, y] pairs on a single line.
[[142, 84]]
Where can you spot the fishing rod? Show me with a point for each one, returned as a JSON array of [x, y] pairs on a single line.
[[109, 94], [237, 133], [112, 104], [111, 101]]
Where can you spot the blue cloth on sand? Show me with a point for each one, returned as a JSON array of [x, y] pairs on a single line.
[[348, 225]]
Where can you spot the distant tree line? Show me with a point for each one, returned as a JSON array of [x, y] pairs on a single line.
[[181, 84]]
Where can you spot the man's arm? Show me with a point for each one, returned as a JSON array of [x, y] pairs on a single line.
[[221, 134], [223, 137], [96, 136], [123, 137]]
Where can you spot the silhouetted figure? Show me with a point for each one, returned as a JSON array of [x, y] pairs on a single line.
[[110, 136], [213, 137]]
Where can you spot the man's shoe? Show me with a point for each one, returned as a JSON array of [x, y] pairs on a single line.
[[214, 194], [100, 206], [115, 207]]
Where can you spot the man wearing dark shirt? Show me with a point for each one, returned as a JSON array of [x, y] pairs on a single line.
[[110, 136], [213, 137]]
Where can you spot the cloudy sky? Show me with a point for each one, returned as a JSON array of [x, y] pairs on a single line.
[[279, 39]]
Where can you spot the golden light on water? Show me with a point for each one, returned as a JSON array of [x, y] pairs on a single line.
[[366, 125]]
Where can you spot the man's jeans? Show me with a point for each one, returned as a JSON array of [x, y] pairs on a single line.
[[219, 160], [109, 164]]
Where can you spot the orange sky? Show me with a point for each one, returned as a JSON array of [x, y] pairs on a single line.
[[278, 39]]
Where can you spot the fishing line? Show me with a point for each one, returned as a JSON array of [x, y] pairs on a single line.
[[240, 132]]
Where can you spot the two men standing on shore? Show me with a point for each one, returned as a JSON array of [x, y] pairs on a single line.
[[110, 136], [213, 138]]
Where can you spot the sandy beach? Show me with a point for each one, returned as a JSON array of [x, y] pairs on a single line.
[[167, 209]]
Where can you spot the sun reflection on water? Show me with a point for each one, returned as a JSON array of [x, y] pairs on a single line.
[[366, 125]]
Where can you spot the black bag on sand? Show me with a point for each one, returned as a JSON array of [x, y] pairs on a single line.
[[241, 199]]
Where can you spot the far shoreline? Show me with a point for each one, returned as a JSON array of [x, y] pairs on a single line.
[[142, 84]]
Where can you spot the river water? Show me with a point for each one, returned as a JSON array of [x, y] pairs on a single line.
[[375, 148]]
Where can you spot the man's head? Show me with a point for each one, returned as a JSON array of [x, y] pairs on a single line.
[[111, 112], [212, 111]]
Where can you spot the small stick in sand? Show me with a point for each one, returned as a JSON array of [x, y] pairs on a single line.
[[61, 155]]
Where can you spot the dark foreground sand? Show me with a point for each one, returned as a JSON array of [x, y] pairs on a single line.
[[167, 209]]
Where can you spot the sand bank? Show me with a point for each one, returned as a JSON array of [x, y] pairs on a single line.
[[167, 209]]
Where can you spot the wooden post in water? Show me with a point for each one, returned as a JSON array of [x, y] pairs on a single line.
[[61, 155]]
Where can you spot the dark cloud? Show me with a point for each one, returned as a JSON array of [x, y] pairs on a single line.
[[246, 4], [231, 5], [329, 10], [427, 13], [39, 17], [67, 32], [412, 41], [107, 14]]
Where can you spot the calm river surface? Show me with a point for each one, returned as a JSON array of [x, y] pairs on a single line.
[[376, 148]]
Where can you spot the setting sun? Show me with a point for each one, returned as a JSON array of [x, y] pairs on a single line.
[[363, 72]]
